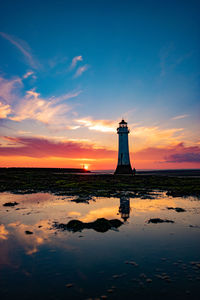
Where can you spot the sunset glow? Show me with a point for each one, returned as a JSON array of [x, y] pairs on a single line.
[[86, 167], [61, 97], [99, 149]]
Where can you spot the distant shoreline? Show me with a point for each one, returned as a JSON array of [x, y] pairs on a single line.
[[164, 172], [65, 170]]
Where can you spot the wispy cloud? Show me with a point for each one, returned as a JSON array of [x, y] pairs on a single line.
[[28, 74], [67, 96], [18, 107], [180, 117], [75, 61], [9, 89], [73, 127], [22, 132], [56, 61], [164, 58], [156, 136], [98, 125], [81, 70], [23, 47], [33, 106], [169, 60], [5, 110]]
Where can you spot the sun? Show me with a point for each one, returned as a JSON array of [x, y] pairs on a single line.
[[86, 167]]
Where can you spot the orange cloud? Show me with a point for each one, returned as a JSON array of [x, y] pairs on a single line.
[[156, 136], [5, 110], [40, 147], [3, 232], [32, 106], [98, 125], [31, 243], [105, 212]]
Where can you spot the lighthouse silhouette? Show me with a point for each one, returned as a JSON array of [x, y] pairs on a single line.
[[124, 165]]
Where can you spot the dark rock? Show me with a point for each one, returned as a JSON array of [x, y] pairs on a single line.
[[146, 196], [100, 225], [69, 285], [195, 263], [28, 232], [142, 275], [177, 209], [133, 263], [74, 225], [10, 204], [164, 277], [194, 226], [158, 220], [82, 199]]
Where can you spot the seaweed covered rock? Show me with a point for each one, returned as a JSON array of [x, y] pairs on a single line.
[[10, 204], [177, 209], [82, 199], [103, 225], [100, 225], [158, 220], [28, 232], [74, 225]]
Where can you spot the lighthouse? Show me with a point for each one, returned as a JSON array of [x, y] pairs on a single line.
[[124, 208], [124, 165]]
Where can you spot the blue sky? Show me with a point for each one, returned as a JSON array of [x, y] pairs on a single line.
[[136, 59]]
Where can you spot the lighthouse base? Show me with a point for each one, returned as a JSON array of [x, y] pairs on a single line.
[[124, 169]]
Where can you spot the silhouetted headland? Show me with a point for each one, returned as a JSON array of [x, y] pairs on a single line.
[[63, 170]]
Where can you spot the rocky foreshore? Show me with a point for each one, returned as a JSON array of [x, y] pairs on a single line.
[[24, 180]]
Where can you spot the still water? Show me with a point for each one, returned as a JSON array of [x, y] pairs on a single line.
[[138, 260]]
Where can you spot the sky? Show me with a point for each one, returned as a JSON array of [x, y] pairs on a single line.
[[71, 70]]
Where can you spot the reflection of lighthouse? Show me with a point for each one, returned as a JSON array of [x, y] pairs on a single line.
[[124, 208], [123, 166]]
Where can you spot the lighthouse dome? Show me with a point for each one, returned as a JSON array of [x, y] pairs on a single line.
[[123, 122]]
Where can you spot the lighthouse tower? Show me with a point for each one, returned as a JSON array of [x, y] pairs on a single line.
[[123, 166]]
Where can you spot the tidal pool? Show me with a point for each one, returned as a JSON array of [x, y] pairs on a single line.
[[138, 260]]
